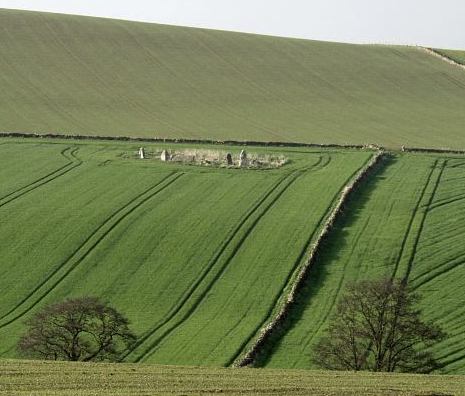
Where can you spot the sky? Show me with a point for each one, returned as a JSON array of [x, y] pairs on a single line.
[[432, 23]]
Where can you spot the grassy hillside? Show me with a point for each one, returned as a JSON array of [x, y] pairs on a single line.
[[60, 379], [196, 256], [82, 75], [408, 222]]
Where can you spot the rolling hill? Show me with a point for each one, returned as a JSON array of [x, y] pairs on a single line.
[[202, 258], [197, 257], [91, 76], [408, 223]]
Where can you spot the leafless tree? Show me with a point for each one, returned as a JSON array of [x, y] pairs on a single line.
[[378, 327], [81, 329]]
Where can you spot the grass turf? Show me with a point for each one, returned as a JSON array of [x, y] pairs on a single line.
[[406, 222], [197, 257], [82, 75]]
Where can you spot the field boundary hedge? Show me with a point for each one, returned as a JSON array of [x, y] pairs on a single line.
[[431, 150], [32, 135], [184, 140], [278, 321]]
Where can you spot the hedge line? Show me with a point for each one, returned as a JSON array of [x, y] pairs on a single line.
[[275, 324], [182, 140], [431, 150], [223, 142]]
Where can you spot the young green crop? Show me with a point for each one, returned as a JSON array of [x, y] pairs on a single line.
[[177, 248], [81, 75], [407, 222]]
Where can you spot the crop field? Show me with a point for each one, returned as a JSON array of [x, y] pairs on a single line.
[[90, 76], [407, 222], [85, 379], [197, 257], [200, 258]]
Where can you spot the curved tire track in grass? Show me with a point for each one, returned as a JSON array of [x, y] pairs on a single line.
[[438, 271], [292, 273], [73, 163], [86, 248], [285, 182], [335, 208], [447, 202], [423, 218], [322, 162], [209, 267], [412, 218]]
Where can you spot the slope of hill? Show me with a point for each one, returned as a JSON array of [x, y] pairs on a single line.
[[196, 256], [407, 223], [86, 379], [82, 75]]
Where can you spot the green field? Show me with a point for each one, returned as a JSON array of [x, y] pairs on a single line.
[[202, 258], [82, 75], [407, 222], [197, 257], [60, 378]]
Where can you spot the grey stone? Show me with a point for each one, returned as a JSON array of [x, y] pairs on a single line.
[[165, 156], [243, 158]]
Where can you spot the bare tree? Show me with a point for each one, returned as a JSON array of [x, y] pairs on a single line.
[[377, 327], [81, 329]]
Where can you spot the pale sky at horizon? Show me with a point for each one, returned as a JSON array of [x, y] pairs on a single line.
[[414, 22]]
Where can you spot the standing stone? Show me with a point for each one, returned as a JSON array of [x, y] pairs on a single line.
[[141, 153], [165, 156], [243, 158], [229, 160]]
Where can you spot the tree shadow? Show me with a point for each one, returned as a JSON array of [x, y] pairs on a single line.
[[330, 251]]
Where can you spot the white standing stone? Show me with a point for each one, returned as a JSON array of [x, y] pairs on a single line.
[[243, 158], [141, 153], [165, 156]]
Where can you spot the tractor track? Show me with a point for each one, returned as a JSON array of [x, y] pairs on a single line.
[[336, 208], [85, 248], [288, 180], [73, 163], [412, 218], [423, 219]]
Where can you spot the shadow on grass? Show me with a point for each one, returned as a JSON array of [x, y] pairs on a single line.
[[330, 251]]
